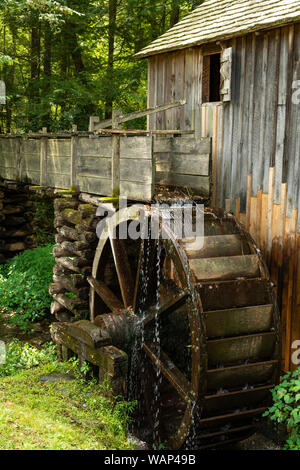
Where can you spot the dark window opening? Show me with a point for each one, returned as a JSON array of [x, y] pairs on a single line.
[[211, 80]]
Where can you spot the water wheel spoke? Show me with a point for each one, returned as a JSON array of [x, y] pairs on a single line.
[[124, 272], [168, 307], [105, 294], [170, 372]]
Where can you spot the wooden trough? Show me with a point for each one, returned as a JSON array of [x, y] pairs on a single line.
[[110, 162]]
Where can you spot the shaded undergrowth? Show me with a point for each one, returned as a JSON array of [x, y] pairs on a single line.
[[24, 286]]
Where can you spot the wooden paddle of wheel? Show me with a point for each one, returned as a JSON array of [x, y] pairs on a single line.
[[206, 319]]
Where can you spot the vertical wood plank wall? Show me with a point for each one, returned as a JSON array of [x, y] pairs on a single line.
[[256, 148]]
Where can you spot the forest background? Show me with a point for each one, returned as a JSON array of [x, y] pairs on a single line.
[[63, 61]]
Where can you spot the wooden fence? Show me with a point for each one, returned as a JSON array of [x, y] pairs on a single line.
[[81, 162], [87, 162]]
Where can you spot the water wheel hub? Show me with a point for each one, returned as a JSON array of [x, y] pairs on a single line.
[[121, 326]]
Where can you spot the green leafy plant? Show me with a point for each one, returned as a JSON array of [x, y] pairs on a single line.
[[22, 356], [43, 220], [85, 369], [286, 408], [24, 284]]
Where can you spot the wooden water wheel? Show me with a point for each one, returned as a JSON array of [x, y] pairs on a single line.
[[201, 314]]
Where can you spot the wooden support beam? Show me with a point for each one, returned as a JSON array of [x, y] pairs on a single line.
[[116, 154], [124, 273], [131, 116], [44, 159], [108, 297], [19, 159], [74, 158], [142, 132], [94, 120], [112, 363]]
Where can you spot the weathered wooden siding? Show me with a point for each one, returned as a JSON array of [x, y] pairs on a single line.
[[263, 189], [173, 77], [184, 161], [256, 147]]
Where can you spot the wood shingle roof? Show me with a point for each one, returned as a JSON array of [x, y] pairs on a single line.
[[223, 19]]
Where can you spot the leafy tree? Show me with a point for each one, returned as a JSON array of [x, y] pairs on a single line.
[[65, 60]]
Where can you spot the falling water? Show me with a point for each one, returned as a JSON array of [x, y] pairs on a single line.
[[137, 369], [190, 443], [156, 398]]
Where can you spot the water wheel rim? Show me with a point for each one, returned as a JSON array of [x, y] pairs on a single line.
[[192, 392]]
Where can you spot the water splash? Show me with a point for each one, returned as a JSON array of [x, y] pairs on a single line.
[[157, 344], [137, 359]]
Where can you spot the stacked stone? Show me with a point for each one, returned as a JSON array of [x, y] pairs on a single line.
[[16, 215], [76, 242]]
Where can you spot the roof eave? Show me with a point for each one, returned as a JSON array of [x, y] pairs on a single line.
[[144, 54]]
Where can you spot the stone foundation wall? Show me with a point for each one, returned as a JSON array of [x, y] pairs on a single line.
[[76, 242], [16, 220]]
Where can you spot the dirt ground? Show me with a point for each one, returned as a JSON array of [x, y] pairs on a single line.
[[258, 442], [39, 335]]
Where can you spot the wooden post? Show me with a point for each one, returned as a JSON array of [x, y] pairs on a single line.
[[270, 213], [44, 157], [214, 156], [249, 194], [197, 122], [116, 153], [19, 159], [74, 158], [93, 120]]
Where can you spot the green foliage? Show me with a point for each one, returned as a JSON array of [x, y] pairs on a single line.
[[22, 356], [286, 407], [43, 220], [51, 11], [63, 61], [60, 415], [5, 60], [24, 284]]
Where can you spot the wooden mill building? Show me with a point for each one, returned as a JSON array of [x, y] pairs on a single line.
[[237, 65]]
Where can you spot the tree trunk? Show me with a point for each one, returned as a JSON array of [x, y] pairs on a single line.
[[196, 3], [9, 73], [113, 8], [77, 55], [35, 54], [175, 13], [47, 72], [35, 69]]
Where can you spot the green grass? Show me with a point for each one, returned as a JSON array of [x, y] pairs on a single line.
[[65, 415]]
